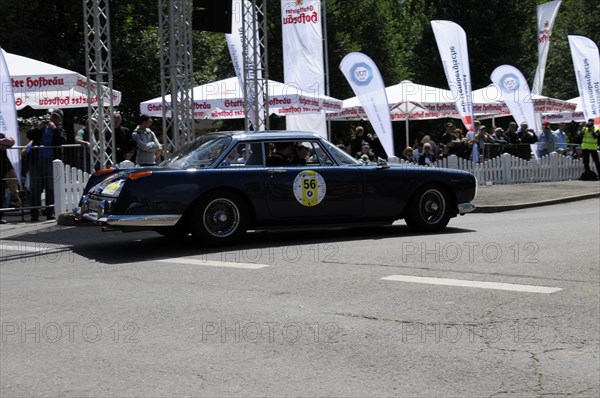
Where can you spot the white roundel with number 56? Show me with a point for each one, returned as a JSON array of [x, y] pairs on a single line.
[[309, 188]]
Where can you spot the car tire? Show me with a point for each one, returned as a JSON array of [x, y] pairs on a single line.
[[220, 218], [429, 209]]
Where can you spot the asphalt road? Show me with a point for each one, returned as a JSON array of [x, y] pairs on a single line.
[[86, 313]]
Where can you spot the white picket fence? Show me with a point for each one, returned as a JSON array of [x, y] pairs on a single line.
[[69, 183], [504, 169], [509, 169]]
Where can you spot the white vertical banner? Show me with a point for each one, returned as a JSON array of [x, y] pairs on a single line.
[[546, 14], [452, 44], [8, 115], [303, 66], [236, 48], [366, 82], [515, 93], [234, 40], [586, 61]]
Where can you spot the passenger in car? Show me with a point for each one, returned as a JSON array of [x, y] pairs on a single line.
[[302, 153], [281, 155]]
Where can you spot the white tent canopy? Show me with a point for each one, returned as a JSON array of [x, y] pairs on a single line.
[[568, 116], [41, 85], [408, 101], [224, 99], [492, 95]]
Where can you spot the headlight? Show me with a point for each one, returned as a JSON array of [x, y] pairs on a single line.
[[114, 188]]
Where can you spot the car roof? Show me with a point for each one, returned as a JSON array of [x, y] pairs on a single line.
[[269, 135]]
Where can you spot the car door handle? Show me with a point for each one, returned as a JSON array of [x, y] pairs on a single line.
[[273, 171]]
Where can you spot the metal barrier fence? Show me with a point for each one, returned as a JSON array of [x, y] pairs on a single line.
[[32, 187]]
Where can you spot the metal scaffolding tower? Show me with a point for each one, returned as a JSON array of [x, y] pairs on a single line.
[[256, 74], [99, 68], [176, 72]]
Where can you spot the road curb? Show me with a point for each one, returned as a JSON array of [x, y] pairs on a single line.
[[498, 209]]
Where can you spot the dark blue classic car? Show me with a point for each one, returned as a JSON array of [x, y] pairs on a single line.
[[226, 183]]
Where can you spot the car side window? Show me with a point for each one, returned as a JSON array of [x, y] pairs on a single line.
[[296, 153], [243, 155]]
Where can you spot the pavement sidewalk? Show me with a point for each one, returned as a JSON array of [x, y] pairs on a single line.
[[497, 198], [490, 199]]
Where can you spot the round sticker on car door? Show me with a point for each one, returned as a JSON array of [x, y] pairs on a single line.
[[309, 188]]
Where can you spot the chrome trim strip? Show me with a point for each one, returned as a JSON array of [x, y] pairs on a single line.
[[465, 207], [161, 220]]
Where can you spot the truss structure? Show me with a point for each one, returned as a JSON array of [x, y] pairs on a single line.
[[99, 68], [256, 75], [176, 73]]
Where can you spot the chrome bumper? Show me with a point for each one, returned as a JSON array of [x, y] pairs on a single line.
[[161, 220], [464, 208], [99, 216]]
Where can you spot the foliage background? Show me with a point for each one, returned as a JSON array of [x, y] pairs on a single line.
[[395, 33]]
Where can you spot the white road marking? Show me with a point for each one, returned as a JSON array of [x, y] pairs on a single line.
[[22, 247], [476, 284], [209, 263]]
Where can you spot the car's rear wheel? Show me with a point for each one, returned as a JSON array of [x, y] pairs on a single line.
[[429, 209], [220, 218]]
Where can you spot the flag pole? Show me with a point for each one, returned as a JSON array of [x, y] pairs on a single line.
[[326, 55]]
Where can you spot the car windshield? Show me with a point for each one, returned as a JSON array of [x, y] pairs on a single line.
[[340, 155], [198, 154]]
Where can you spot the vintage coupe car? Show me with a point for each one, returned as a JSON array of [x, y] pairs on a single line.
[[225, 183]]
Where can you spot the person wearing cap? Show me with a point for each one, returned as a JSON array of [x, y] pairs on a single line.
[[547, 141], [482, 139], [589, 146], [47, 133], [511, 133], [449, 139], [365, 153]]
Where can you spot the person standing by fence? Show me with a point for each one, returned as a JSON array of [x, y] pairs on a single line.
[[146, 142], [48, 133], [124, 141], [5, 167], [589, 145]]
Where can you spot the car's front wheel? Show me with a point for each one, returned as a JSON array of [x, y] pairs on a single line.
[[429, 209], [220, 218]]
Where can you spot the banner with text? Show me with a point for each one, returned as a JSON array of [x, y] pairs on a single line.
[[586, 61], [515, 94], [452, 44], [366, 82], [303, 65], [9, 125], [546, 14]]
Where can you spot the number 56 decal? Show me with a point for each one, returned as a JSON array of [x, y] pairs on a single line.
[[309, 188]]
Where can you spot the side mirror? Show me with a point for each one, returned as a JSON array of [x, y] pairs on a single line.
[[382, 163]]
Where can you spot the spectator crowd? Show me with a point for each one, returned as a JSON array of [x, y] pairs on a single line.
[[478, 145]]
